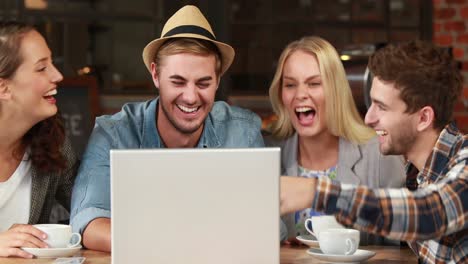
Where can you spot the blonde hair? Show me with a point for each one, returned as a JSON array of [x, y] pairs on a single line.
[[342, 117], [188, 45]]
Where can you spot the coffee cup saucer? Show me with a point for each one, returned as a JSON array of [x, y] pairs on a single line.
[[53, 252], [308, 240], [358, 256]]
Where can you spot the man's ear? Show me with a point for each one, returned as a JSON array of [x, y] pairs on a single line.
[[5, 92], [426, 118], [154, 75]]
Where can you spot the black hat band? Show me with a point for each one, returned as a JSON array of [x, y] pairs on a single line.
[[190, 29]]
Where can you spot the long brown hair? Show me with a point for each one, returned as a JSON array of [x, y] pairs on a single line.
[[45, 139]]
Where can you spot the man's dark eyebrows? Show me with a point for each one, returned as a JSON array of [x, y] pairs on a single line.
[[204, 79], [376, 101], [177, 77]]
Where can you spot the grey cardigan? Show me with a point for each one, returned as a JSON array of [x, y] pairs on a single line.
[[357, 164], [46, 188]]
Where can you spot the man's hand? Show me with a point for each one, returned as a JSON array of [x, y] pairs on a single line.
[[296, 193], [21, 236]]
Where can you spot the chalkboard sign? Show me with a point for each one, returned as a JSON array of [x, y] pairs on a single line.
[[78, 103]]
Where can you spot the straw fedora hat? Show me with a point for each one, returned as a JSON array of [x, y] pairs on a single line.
[[188, 22]]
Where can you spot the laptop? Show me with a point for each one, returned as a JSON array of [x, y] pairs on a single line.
[[183, 206]]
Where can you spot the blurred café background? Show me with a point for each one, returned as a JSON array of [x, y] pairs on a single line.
[[97, 44]]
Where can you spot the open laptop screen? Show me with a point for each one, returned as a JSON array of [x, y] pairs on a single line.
[[205, 206]]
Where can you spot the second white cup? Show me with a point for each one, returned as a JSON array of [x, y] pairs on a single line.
[[339, 241]]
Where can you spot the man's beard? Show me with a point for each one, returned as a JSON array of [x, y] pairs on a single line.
[[176, 125], [401, 142]]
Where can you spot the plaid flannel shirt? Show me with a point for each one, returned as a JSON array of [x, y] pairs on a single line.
[[431, 215]]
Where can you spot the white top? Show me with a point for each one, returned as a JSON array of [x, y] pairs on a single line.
[[15, 196]]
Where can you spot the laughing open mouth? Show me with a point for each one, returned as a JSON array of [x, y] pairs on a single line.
[[50, 94], [305, 113], [381, 132], [187, 109]]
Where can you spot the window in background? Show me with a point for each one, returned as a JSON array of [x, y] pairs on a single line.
[[260, 29], [101, 38], [104, 38]]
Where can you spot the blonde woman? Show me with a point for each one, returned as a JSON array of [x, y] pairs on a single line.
[[319, 129]]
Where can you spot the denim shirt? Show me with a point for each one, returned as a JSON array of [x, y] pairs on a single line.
[[134, 127]]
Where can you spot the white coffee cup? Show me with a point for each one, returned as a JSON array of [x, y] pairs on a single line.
[[339, 241], [321, 223], [60, 236]]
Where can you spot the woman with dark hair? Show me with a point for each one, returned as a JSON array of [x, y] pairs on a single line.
[[37, 163]]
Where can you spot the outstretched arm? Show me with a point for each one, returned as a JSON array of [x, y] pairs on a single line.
[[439, 209]]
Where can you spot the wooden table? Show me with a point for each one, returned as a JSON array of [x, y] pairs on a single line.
[[92, 257], [289, 255]]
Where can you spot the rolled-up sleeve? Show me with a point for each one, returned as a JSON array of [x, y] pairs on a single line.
[[91, 192]]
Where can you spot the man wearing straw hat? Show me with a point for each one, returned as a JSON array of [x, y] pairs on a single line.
[[186, 64]]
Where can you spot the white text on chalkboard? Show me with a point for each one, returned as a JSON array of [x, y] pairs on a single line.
[[72, 124]]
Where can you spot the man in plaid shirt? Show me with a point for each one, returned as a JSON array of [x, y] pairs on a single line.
[[414, 89]]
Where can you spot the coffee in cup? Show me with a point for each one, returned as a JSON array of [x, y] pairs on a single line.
[[339, 241], [59, 236]]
